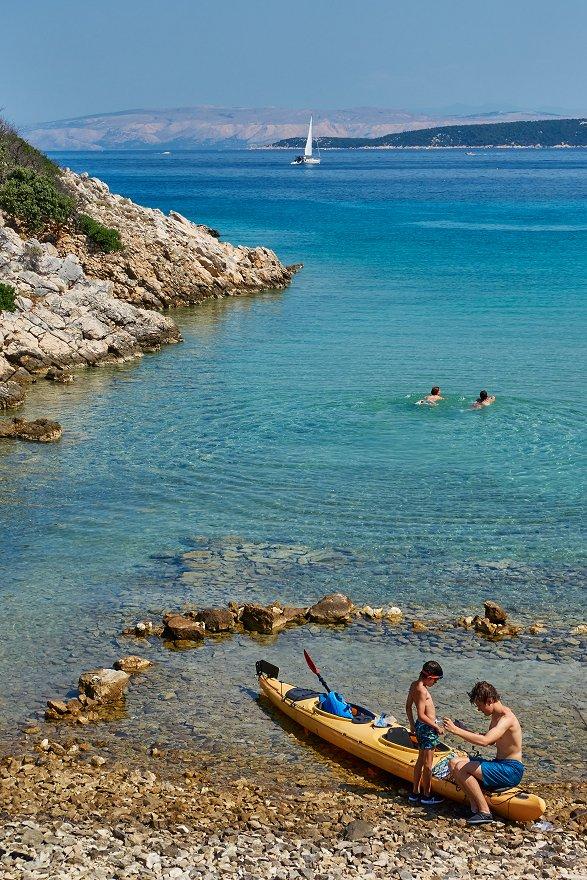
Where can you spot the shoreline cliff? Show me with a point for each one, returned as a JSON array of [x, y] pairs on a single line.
[[77, 306]]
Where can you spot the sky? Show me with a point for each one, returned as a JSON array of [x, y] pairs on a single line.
[[68, 58]]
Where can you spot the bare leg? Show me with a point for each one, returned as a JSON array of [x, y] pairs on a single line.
[[468, 776], [427, 771], [418, 771], [455, 765]]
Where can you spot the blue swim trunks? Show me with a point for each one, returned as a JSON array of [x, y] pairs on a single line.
[[501, 773], [426, 736]]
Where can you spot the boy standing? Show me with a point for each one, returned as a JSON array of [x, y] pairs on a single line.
[[425, 730]]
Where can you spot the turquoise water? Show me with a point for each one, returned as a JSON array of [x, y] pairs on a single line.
[[290, 417]]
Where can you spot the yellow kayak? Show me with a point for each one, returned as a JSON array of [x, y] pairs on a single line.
[[388, 748]]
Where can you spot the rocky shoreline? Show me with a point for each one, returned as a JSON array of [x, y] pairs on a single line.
[[187, 816], [77, 307]]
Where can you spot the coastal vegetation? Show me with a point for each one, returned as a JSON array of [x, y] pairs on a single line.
[[103, 238], [31, 189], [36, 199], [528, 133], [7, 295]]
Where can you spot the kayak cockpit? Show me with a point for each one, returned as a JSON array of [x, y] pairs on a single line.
[[400, 736]]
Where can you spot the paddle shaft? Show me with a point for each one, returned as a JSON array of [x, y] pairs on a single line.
[[314, 669]]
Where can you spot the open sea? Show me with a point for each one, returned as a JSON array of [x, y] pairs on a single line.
[[288, 420]]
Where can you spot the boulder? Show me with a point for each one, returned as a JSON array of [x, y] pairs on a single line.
[[132, 664], [257, 618], [104, 685], [182, 629], [295, 616], [418, 626], [335, 608], [494, 612], [216, 619], [393, 613], [11, 395], [484, 626]]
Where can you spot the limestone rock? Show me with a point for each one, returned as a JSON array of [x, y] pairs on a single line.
[[335, 608], [393, 614], [216, 620], [132, 664], [257, 618], [295, 616], [12, 395], [494, 612], [181, 629], [104, 685], [38, 431]]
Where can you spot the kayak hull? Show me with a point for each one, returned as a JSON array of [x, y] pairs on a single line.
[[390, 750]]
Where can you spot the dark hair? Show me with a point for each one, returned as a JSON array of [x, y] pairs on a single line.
[[483, 692], [483, 395], [431, 667], [435, 390]]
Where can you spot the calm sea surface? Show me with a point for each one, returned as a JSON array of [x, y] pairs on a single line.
[[290, 418]]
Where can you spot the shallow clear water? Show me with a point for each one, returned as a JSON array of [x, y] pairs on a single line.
[[291, 417]]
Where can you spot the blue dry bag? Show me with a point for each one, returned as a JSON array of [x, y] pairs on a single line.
[[335, 704]]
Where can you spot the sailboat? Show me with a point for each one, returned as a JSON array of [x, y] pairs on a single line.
[[307, 158]]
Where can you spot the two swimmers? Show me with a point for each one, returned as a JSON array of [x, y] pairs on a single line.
[[484, 399]]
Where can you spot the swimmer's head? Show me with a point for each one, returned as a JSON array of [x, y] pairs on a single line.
[[435, 390], [483, 395]]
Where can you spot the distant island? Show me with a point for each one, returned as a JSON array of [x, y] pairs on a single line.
[[526, 133], [188, 128]]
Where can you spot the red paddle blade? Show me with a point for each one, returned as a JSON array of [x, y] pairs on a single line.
[[311, 663]]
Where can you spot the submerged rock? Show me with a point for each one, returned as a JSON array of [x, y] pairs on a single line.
[[335, 608], [132, 664], [104, 685], [37, 431]]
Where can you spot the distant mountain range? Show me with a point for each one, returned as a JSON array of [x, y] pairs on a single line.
[[217, 127], [541, 133]]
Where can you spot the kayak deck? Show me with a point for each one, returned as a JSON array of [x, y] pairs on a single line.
[[389, 749]]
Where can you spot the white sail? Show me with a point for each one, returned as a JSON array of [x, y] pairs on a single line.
[[308, 148]]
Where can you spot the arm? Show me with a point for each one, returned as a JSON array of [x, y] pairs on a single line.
[[409, 710], [479, 739]]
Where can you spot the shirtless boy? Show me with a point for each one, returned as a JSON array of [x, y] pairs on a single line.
[[432, 398], [506, 769], [484, 399], [425, 730]]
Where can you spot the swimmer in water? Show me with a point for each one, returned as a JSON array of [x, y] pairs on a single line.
[[431, 399], [484, 399]]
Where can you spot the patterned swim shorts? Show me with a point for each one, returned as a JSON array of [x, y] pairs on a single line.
[[426, 736]]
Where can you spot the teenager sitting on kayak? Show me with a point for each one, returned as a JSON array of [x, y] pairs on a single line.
[[506, 769], [426, 731]]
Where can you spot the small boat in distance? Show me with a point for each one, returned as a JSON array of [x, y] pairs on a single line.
[[307, 158]]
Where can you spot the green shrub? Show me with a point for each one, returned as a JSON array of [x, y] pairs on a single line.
[[7, 294], [35, 199], [101, 237], [15, 151]]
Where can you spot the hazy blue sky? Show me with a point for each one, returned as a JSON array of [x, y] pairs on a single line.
[[70, 58]]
